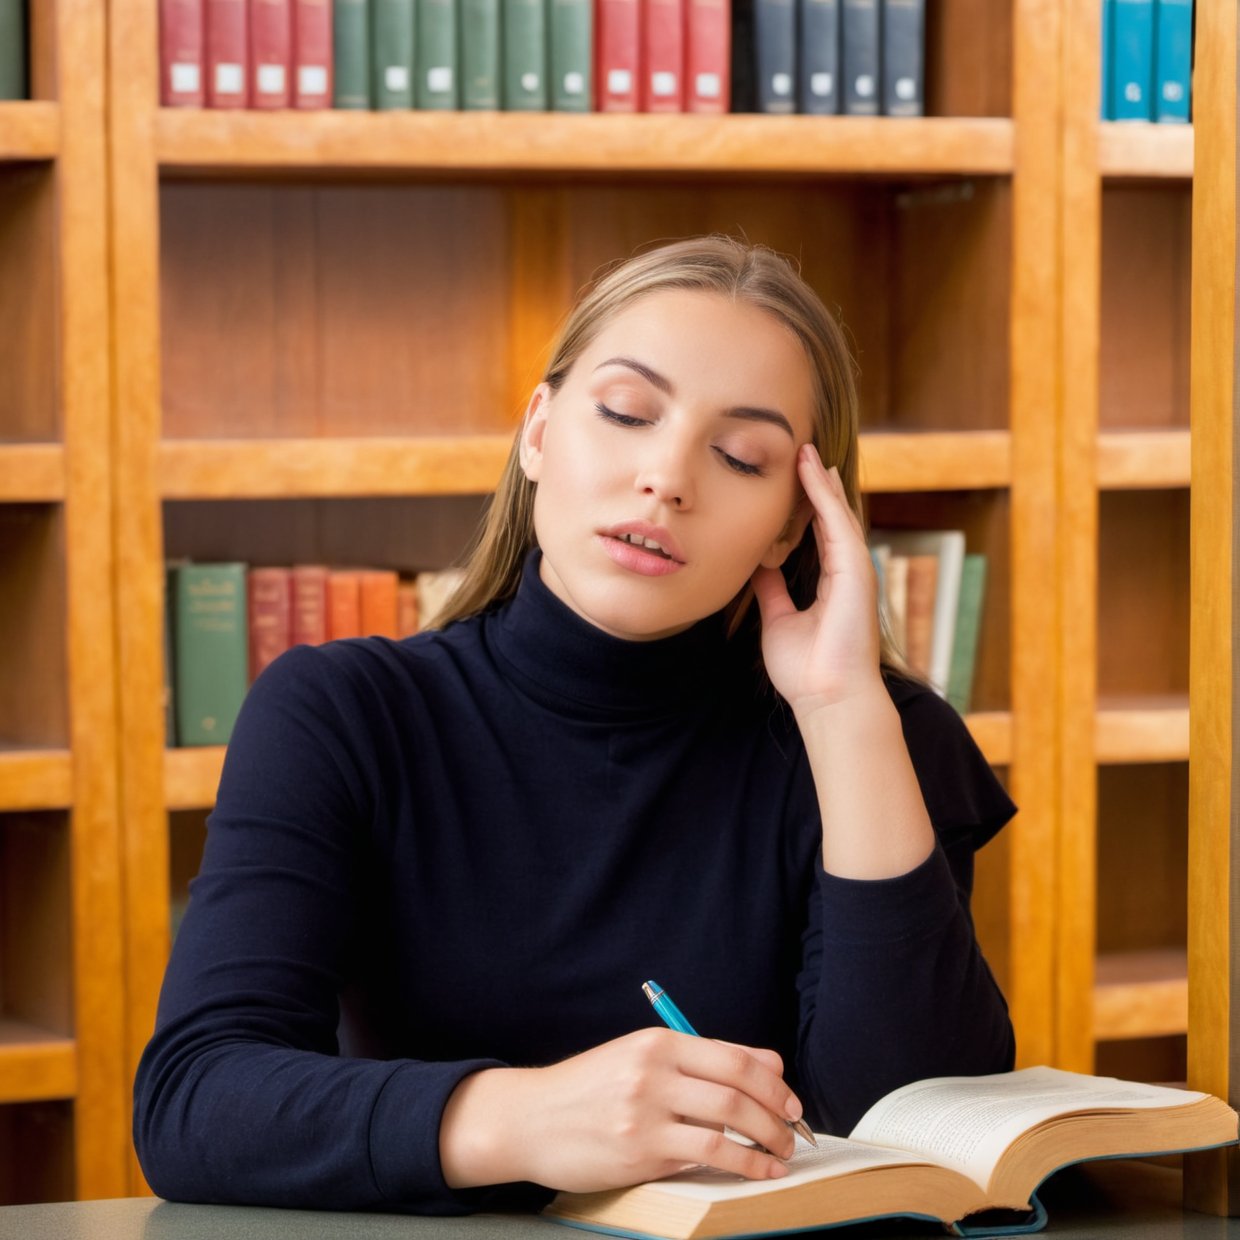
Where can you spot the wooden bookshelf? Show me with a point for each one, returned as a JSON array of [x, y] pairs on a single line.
[[29, 129]]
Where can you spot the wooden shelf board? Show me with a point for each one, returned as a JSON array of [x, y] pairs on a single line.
[[992, 730], [203, 142], [1141, 994], [1138, 459], [1142, 729], [29, 129], [192, 775], [35, 779], [1139, 149], [35, 1064], [32, 473], [935, 460]]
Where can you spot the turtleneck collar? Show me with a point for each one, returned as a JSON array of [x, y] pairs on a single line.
[[568, 664]]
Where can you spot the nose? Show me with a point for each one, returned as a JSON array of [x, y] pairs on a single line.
[[664, 473]]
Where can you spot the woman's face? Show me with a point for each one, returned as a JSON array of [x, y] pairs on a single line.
[[680, 424]]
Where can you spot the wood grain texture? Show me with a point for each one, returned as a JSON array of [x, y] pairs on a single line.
[[35, 1065], [35, 779], [1142, 729], [1141, 994], [33, 473], [1133, 149], [1144, 459], [29, 129]]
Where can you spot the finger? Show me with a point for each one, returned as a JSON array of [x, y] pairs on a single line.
[[768, 1058], [841, 541], [771, 591], [726, 1063], [710, 1148], [707, 1102]]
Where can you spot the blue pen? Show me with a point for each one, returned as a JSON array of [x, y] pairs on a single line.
[[674, 1018]]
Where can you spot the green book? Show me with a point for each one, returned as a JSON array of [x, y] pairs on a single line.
[[525, 56], [572, 35], [968, 627], [437, 84], [480, 62], [210, 650], [351, 53], [13, 84], [392, 53]]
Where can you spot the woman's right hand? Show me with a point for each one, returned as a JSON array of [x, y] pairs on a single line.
[[637, 1108]]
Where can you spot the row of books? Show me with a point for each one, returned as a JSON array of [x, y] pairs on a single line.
[[14, 75], [931, 593], [860, 57], [227, 621], [1147, 60]]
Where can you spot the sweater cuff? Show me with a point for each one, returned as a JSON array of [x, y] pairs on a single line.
[[885, 910]]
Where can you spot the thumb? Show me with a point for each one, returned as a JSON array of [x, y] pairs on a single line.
[[771, 591]]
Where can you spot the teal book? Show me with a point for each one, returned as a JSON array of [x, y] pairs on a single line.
[[438, 85], [1132, 61], [392, 55], [351, 53], [210, 644], [572, 42], [525, 55], [1106, 35], [14, 83], [1173, 60], [968, 629], [480, 60]]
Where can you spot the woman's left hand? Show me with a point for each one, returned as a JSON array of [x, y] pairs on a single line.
[[829, 652]]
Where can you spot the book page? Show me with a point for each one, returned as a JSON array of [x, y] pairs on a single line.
[[966, 1122]]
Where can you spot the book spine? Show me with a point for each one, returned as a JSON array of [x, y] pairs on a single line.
[[392, 53], [270, 616], [572, 55], [309, 605], [406, 609], [1133, 59], [923, 571], [859, 56], [271, 53], [1106, 108], [708, 56], [351, 53], [775, 54], [525, 55], [344, 605], [170, 624], [312, 54], [210, 649], [617, 50], [227, 53], [438, 84], [903, 26], [378, 603], [663, 55], [14, 77], [181, 38], [480, 58], [1173, 60], [968, 631], [819, 74]]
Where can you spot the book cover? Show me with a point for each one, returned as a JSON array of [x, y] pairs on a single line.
[[617, 52], [210, 650], [819, 76], [312, 54], [572, 55], [524, 44], [227, 42], [480, 58], [344, 604], [271, 53], [662, 55], [859, 56], [903, 24], [14, 76], [1132, 62], [438, 86], [181, 51], [774, 23], [1173, 60], [270, 599], [406, 609], [1106, 34], [744, 70], [377, 589], [309, 605], [968, 630], [351, 53], [392, 33], [923, 576], [708, 56]]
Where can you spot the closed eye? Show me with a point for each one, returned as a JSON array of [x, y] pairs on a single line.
[[624, 419], [621, 419]]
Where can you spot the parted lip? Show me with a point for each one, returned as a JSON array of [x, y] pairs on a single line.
[[655, 532]]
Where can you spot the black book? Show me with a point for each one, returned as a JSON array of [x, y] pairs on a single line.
[[819, 79], [903, 25], [859, 56]]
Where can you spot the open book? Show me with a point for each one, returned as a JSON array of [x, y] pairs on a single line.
[[940, 1149]]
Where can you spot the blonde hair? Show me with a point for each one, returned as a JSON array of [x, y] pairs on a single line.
[[714, 264]]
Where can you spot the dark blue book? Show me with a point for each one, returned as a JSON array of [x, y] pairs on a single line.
[[775, 37], [819, 76], [903, 28], [1173, 60], [859, 56], [1133, 60]]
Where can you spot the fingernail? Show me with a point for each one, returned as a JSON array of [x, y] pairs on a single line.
[[792, 1108]]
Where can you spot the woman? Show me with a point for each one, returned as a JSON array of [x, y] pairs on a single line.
[[658, 735]]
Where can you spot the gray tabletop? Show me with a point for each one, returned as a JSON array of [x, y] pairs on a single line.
[[1135, 1201]]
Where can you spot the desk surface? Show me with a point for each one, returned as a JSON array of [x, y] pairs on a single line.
[[1119, 1200]]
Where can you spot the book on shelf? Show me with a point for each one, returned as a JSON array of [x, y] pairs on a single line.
[[392, 53], [308, 621], [662, 27], [270, 614], [708, 56], [859, 49], [14, 77], [903, 42], [524, 43], [271, 53], [481, 65], [1147, 54], [1132, 60], [617, 49], [1173, 60], [819, 64], [775, 38], [570, 30], [312, 54], [180, 52], [351, 54], [962, 672], [943, 1150], [227, 55], [377, 601], [435, 55]]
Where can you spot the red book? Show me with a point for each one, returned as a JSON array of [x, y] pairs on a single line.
[[309, 604], [228, 53], [708, 55], [344, 604], [617, 47], [312, 54], [270, 612], [271, 53], [663, 48], [180, 54], [379, 603]]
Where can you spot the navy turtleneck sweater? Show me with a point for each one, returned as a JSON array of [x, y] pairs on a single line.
[[471, 847]]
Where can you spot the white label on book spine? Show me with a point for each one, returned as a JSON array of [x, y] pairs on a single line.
[[820, 84], [1132, 92], [439, 79], [396, 77], [529, 81], [663, 83], [1173, 92], [906, 88], [781, 83], [270, 79], [229, 78], [574, 83], [312, 79], [864, 85], [184, 77], [619, 81], [708, 85]]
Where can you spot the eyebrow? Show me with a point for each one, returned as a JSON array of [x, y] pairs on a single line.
[[748, 413]]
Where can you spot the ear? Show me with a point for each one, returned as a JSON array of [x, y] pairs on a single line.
[[533, 428], [792, 533]]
